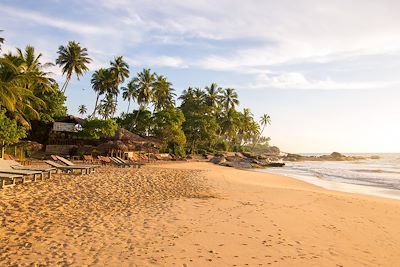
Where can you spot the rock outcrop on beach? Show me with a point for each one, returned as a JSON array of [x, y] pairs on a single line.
[[335, 156], [272, 158], [245, 160]]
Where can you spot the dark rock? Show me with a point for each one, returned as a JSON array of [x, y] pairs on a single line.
[[218, 160], [276, 164]]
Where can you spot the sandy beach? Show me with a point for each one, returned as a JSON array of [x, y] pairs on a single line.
[[193, 214]]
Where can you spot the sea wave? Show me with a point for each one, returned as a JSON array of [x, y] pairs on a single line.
[[379, 175]]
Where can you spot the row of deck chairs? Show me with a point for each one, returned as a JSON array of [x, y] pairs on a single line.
[[12, 171], [119, 162]]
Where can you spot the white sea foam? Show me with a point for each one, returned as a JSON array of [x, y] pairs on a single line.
[[379, 177]]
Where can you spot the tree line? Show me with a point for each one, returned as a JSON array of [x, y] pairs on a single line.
[[206, 119]]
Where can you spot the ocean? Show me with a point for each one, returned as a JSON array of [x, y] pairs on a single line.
[[375, 177]]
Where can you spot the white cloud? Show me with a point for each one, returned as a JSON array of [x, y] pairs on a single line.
[[158, 61], [296, 80], [306, 33], [71, 26]]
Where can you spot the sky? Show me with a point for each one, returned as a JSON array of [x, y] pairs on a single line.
[[327, 72]]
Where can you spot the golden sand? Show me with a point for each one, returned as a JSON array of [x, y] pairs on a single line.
[[193, 214]]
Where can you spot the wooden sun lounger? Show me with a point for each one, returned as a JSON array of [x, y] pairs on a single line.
[[5, 167], [10, 178], [16, 166], [25, 174], [69, 163], [130, 163], [117, 162], [68, 169]]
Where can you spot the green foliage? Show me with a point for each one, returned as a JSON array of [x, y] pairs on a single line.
[[222, 146], [200, 126], [54, 106], [168, 128], [10, 132], [138, 122], [22, 79], [98, 129]]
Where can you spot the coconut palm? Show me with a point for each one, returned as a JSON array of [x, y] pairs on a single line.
[[30, 63], [72, 59], [18, 83], [100, 84], [230, 124], [248, 128], [119, 72], [163, 94], [213, 97], [144, 82], [230, 99], [82, 109], [129, 93], [107, 106], [264, 121]]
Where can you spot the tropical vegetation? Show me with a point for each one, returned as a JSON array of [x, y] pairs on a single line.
[[197, 121]]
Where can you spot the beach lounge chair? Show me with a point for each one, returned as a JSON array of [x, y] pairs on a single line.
[[130, 163], [6, 168], [68, 169], [8, 180], [118, 163], [17, 166], [70, 163]]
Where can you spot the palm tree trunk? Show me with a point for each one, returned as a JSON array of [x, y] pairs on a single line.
[[115, 109], [137, 114], [259, 136], [95, 105], [129, 103], [64, 87]]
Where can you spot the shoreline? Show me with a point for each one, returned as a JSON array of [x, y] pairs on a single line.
[[336, 186], [194, 214]]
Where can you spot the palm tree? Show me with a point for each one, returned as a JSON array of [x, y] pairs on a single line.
[[100, 83], [129, 93], [30, 63], [264, 121], [72, 59], [144, 82], [107, 106], [82, 109], [230, 124], [213, 97], [119, 71], [230, 99], [248, 128], [20, 79], [163, 94]]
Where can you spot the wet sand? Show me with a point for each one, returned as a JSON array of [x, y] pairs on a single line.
[[193, 214]]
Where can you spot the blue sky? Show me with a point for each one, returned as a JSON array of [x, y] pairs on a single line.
[[327, 72]]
